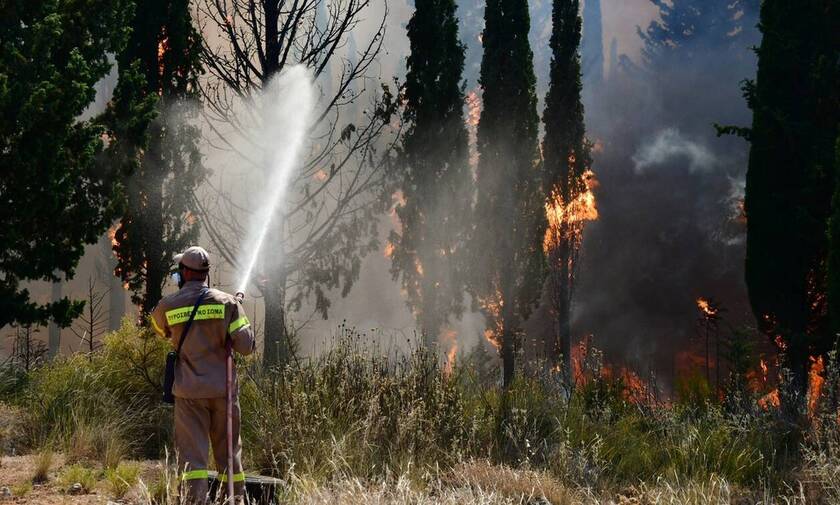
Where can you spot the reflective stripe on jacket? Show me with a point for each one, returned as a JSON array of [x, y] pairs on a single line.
[[200, 372]]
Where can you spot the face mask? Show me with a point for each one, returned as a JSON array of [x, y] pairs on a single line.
[[178, 279]]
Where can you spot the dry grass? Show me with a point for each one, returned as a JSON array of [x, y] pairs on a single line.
[[43, 465], [520, 486]]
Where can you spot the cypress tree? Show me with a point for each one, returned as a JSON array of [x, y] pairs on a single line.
[[506, 256], [56, 196], [160, 219], [566, 158], [834, 250], [790, 179], [434, 171]]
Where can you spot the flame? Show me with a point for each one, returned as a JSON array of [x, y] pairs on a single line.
[[815, 383], [389, 250], [635, 389], [492, 308], [474, 105], [707, 307], [163, 47], [771, 399], [565, 219], [191, 218], [320, 175], [449, 336], [112, 236]]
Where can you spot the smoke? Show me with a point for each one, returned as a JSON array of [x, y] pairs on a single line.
[[670, 146], [285, 106], [671, 226]]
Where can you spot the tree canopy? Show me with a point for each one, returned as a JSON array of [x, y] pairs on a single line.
[[56, 196]]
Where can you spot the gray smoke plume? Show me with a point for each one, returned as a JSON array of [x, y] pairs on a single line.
[[669, 146]]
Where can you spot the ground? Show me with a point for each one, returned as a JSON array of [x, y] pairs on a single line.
[[17, 471]]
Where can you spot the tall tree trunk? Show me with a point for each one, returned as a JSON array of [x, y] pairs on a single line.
[[116, 293], [276, 349], [54, 330]]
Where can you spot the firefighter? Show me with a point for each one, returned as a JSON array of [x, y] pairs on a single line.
[[199, 387]]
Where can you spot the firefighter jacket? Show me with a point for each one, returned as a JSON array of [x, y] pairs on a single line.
[[200, 372]]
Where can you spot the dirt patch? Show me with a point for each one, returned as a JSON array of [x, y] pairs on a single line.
[[16, 474]]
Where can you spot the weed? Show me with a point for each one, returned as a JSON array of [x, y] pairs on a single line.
[[22, 489], [43, 465], [121, 478], [77, 474]]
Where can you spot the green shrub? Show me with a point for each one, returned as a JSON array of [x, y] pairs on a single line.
[[105, 406], [121, 479], [77, 474], [22, 489]]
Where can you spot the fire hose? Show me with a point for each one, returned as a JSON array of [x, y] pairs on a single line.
[[229, 409]]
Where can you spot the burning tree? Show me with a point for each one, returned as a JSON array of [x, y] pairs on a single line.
[[506, 257], [790, 181], [317, 243], [161, 63], [434, 174], [568, 182]]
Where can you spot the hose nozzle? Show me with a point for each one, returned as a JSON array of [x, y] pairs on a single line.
[[240, 296]]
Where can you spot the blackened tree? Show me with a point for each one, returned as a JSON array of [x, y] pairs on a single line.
[[159, 220], [434, 175], [506, 256], [790, 179], [566, 159], [56, 197]]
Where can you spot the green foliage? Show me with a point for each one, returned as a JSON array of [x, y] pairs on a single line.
[[102, 406], [690, 30], [354, 407], [434, 174], [358, 413], [22, 489], [160, 141], [791, 178], [121, 479], [77, 474], [505, 249], [56, 196]]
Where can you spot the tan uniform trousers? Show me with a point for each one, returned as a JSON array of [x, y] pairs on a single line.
[[200, 423]]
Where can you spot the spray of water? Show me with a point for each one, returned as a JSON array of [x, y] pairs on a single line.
[[285, 107]]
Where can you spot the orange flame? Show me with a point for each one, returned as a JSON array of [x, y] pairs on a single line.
[[706, 307], [163, 47], [112, 236], [320, 175], [771, 399], [815, 384], [492, 307], [389, 250], [566, 219], [449, 337]]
